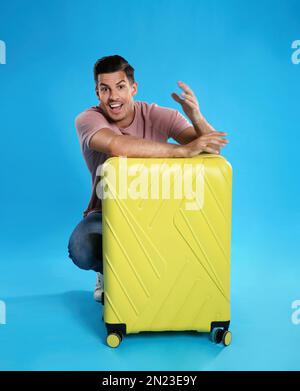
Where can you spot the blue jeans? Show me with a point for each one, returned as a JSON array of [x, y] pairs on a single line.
[[85, 243]]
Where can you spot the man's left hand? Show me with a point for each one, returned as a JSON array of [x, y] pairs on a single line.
[[189, 102]]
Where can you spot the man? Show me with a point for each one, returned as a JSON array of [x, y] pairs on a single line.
[[119, 126]]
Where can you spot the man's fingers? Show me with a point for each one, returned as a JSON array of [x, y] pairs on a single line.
[[191, 103], [177, 98], [215, 133], [217, 147], [206, 139], [211, 150], [189, 98], [185, 100], [185, 88], [217, 142]]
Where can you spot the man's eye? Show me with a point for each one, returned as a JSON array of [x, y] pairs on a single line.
[[121, 86], [103, 89]]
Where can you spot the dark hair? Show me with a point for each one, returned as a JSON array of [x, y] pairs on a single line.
[[111, 64]]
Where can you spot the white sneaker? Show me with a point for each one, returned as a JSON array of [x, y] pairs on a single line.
[[99, 289]]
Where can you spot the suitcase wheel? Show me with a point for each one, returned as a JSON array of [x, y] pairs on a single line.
[[219, 335], [114, 339], [227, 337], [216, 335]]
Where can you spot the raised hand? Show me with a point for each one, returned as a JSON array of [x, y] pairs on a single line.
[[188, 102]]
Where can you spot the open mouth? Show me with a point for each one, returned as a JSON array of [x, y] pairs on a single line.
[[116, 108]]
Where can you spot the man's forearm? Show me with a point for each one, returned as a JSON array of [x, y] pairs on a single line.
[[108, 142], [202, 127], [131, 146]]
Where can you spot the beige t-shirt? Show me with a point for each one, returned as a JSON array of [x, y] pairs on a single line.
[[151, 122]]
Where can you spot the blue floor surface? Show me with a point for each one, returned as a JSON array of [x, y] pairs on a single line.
[[53, 323]]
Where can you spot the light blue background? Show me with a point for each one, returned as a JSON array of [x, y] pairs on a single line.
[[236, 56]]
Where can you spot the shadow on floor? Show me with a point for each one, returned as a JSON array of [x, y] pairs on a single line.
[[62, 324]]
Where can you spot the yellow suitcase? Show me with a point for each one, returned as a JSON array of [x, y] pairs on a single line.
[[166, 245]]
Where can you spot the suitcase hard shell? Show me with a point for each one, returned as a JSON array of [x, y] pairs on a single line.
[[166, 260]]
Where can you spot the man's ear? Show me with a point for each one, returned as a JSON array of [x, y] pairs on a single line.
[[97, 91], [134, 88]]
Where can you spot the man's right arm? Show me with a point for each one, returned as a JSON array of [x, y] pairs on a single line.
[[105, 140]]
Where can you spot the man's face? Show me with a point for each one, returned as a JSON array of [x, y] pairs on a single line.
[[114, 89]]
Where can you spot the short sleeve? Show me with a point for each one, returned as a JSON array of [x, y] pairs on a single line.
[[87, 124], [169, 120]]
